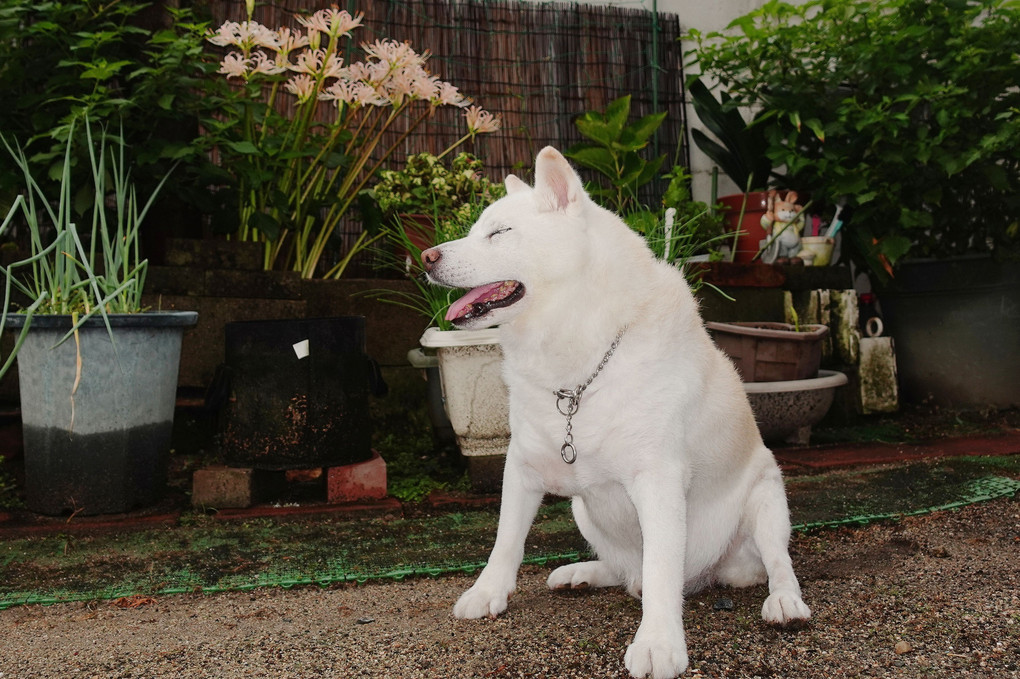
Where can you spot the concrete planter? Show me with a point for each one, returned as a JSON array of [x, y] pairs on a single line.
[[475, 396], [97, 438]]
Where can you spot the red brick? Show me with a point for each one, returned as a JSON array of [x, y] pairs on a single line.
[[353, 482]]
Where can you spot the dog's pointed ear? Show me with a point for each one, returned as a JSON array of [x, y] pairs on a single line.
[[557, 186], [514, 184]]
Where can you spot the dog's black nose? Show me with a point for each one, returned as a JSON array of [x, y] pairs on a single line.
[[430, 257]]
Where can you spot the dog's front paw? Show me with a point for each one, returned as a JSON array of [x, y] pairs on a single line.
[[785, 607], [481, 602], [660, 654]]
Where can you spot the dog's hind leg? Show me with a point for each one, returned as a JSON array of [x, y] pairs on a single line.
[[609, 523], [768, 517]]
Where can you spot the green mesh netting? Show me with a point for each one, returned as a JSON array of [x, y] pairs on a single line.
[[204, 554]]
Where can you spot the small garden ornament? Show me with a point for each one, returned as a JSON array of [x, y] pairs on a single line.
[[783, 222]]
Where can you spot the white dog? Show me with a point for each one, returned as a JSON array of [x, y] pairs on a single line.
[[618, 399]]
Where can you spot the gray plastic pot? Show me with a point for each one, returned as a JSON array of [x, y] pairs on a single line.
[[102, 446]]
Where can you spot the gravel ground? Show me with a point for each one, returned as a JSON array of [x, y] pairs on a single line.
[[935, 596]]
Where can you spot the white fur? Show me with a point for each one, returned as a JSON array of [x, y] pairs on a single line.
[[672, 487]]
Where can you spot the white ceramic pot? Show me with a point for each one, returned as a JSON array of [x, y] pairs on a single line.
[[475, 396]]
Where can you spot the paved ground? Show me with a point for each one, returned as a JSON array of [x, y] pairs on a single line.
[[934, 596]]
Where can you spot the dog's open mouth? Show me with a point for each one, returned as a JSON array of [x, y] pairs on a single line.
[[483, 299]]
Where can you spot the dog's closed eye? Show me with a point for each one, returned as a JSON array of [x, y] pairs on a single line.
[[498, 231]]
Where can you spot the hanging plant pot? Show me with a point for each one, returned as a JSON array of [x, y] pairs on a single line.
[[300, 393], [771, 352], [98, 413]]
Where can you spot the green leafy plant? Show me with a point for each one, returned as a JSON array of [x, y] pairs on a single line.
[[431, 301], [682, 228], [299, 172], [427, 186], [614, 152], [82, 274], [742, 151], [135, 64], [908, 109]]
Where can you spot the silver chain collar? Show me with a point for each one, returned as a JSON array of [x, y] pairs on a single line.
[[572, 397]]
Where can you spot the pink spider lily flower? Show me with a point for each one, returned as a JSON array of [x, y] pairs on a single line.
[[426, 86], [288, 40], [309, 61], [261, 63], [340, 92], [400, 86], [234, 65], [394, 54], [246, 35], [480, 121], [332, 66], [301, 86], [447, 94], [332, 22]]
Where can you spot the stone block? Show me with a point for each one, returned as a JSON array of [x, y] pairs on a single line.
[[356, 482], [877, 375], [222, 487], [211, 253]]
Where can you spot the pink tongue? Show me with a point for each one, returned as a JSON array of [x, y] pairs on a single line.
[[458, 308]]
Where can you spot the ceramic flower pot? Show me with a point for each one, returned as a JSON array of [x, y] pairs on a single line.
[[786, 410], [98, 413]]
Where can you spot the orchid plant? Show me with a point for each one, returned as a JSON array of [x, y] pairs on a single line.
[[299, 173]]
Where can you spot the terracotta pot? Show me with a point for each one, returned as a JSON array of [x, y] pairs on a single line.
[[421, 231], [752, 232]]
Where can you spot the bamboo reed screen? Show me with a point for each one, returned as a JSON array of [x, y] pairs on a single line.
[[537, 65]]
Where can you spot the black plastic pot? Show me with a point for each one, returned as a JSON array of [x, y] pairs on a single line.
[[290, 411], [956, 324], [97, 439]]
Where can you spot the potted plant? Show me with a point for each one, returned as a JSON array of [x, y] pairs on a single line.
[[740, 153], [463, 367], [771, 352], [427, 190], [98, 377], [907, 110], [614, 150]]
